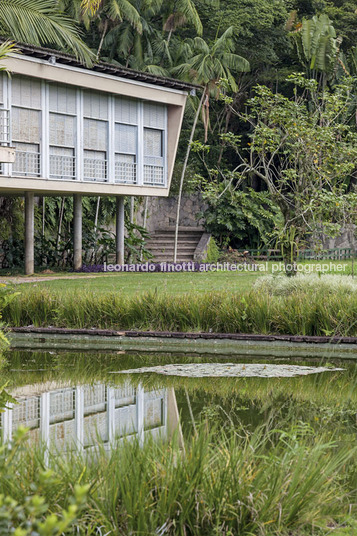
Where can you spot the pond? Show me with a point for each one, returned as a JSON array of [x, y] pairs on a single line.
[[66, 398]]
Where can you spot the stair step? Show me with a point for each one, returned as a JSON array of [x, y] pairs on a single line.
[[161, 247], [169, 241], [180, 233]]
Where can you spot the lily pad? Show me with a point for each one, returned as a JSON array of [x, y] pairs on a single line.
[[232, 370]]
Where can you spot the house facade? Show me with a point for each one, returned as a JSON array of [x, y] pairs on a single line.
[[69, 130]]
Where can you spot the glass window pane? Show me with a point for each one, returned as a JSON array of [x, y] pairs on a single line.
[[62, 130], [125, 139], [26, 125], [26, 92], [152, 142], [95, 135], [1, 88]]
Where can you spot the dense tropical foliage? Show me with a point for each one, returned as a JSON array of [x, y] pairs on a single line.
[[228, 47]]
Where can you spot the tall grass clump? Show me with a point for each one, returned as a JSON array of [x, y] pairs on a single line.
[[223, 482], [293, 306], [280, 285]]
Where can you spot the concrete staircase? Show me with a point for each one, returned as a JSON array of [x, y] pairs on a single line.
[[161, 244]]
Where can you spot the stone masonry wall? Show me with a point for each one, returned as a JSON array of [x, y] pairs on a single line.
[[162, 212]]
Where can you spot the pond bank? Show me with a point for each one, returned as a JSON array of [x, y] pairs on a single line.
[[210, 343]]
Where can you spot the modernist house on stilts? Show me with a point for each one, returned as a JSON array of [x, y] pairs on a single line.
[[69, 130]]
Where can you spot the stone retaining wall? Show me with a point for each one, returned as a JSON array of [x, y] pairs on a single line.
[[162, 212]]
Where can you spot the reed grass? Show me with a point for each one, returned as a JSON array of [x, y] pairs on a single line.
[[224, 482], [299, 312]]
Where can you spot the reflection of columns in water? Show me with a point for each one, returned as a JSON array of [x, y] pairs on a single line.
[[79, 416]]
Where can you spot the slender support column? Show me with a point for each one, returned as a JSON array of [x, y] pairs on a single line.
[[77, 231], [120, 228], [29, 233]]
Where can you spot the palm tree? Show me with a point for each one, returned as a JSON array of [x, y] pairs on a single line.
[[207, 65], [41, 22], [5, 49], [110, 14]]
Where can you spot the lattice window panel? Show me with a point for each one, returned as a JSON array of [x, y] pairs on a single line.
[[154, 115], [95, 398], [124, 395], [154, 176], [126, 110], [26, 413], [62, 99], [125, 421], [95, 166], [63, 435], [125, 169], [153, 145], [26, 125], [62, 163], [95, 427], [62, 405], [26, 92], [62, 130], [4, 125], [27, 161], [95, 135], [95, 105]]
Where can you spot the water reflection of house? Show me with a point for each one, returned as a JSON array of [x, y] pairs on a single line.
[[63, 416]]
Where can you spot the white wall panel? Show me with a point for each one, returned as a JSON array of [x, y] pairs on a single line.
[[26, 92], [126, 111], [154, 115], [95, 105], [62, 99]]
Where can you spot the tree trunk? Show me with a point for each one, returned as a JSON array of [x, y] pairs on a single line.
[[144, 223], [184, 171]]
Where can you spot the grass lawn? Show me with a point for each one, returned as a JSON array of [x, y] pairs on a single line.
[[171, 283], [132, 283]]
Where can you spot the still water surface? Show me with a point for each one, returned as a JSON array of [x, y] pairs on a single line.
[[67, 398]]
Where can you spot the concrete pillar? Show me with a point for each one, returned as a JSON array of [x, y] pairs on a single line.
[[120, 228], [77, 231], [29, 233]]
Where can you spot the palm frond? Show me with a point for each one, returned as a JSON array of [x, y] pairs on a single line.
[[40, 22]]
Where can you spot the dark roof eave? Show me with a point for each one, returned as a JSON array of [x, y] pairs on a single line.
[[104, 67]]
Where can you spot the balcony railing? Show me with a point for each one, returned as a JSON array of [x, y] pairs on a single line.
[[62, 167], [27, 164], [95, 170], [154, 176], [125, 172], [4, 127]]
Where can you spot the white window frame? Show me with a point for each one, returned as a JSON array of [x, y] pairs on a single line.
[[79, 158], [43, 110]]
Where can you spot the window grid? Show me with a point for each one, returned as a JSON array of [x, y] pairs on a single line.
[[127, 166], [95, 169], [4, 126], [27, 161], [62, 167]]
